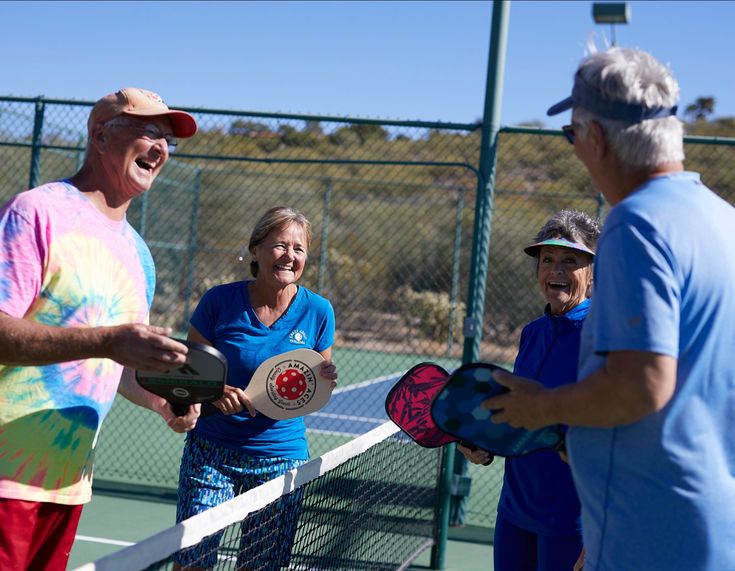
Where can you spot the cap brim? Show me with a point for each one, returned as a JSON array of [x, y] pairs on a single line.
[[533, 249], [183, 124], [563, 105]]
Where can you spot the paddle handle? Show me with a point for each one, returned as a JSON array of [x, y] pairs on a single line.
[[207, 409], [180, 409], [473, 448]]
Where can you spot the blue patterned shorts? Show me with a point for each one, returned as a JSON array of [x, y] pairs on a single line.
[[211, 474]]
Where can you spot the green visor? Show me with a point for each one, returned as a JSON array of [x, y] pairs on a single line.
[[533, 249]]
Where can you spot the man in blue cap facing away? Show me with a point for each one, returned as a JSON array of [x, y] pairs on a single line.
[[651, 443]]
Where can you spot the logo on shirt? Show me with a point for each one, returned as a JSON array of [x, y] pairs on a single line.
[[297, 337]]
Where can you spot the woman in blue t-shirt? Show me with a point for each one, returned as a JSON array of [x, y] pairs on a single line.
[[249, 322], [538, 525]]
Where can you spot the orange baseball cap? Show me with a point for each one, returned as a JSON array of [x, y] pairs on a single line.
[[140, 103]]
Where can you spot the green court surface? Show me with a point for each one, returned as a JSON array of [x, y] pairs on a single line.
[[113, 520]]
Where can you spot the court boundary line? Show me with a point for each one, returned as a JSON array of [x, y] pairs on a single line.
[[367, 383], [93, 539]]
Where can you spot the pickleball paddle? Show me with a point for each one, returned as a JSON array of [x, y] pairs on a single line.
[[200, 380], [408, 405], [457, 410], [289, 385]]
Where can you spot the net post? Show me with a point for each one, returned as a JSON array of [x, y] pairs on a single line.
[[443, 504], [34, 176]]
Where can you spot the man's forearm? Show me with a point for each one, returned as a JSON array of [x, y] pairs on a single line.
[[630, 386], [24, 342]]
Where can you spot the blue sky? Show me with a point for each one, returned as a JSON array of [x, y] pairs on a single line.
[[396, 60]]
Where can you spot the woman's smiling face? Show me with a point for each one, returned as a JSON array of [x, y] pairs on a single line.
[[282, 256], [565, 277]]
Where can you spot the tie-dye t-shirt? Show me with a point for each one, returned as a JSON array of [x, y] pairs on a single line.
[[63, 263]]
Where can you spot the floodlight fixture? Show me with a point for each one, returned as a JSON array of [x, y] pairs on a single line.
[[611, 12]]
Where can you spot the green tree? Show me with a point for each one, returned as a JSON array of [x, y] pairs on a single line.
[[313, 127], [702, 108], [367, 131], [248, 128]]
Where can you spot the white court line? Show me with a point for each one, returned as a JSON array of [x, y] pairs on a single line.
[[349, 417], [374, 381], [332, 432], [103, 540], [368, 419]]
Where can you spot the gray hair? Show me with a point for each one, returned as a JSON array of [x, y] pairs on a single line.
[[572, 225], [634, 76], [276, 218]]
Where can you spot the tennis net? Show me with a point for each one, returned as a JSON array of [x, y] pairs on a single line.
[[367, 505]]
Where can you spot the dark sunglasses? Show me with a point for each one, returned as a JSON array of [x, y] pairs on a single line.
[[568, 131]]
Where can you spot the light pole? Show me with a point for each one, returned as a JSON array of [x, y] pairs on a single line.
[[611, 13]]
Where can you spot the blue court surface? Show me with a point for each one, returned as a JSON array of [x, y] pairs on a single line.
[[368, 396]]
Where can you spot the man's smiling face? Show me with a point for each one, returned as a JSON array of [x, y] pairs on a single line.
[[135, 151]]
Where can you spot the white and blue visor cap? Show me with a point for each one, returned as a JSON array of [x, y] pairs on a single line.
[[533, 249], [584, 95]]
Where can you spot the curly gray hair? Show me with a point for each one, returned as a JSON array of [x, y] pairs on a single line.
[[571, 225]]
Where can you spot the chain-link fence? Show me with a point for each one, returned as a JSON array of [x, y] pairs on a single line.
[[392, 207]]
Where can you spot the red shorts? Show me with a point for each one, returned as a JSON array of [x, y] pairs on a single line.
[[36, 535]]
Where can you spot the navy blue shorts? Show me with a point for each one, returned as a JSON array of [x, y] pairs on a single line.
[[517, 549]]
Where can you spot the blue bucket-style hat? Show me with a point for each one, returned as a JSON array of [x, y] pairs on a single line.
[[584, 95], [533, 249]]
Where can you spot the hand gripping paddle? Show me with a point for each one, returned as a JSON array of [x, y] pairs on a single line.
[[435, 408], [200, 380], [289, 385], [456, 409]]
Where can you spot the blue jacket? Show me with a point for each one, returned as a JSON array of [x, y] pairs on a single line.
[[538, 492]]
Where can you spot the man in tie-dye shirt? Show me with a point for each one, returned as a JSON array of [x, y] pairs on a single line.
[[76, 285]]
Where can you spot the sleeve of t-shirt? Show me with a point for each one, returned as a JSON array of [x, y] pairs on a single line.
[[22, 257], [325, 334], [204, 318], [636, 295]]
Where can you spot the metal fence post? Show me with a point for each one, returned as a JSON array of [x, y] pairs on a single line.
[[481, 240], [454, 294], [34, 178], [80, 154], [323, 249], [600, 205], [192, 249]]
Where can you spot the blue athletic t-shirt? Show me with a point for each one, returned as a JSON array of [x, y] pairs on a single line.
[[225, 317], [538, 493], [659, 494]]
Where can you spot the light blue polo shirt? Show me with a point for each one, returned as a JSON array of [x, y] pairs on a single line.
[[659, 494]]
